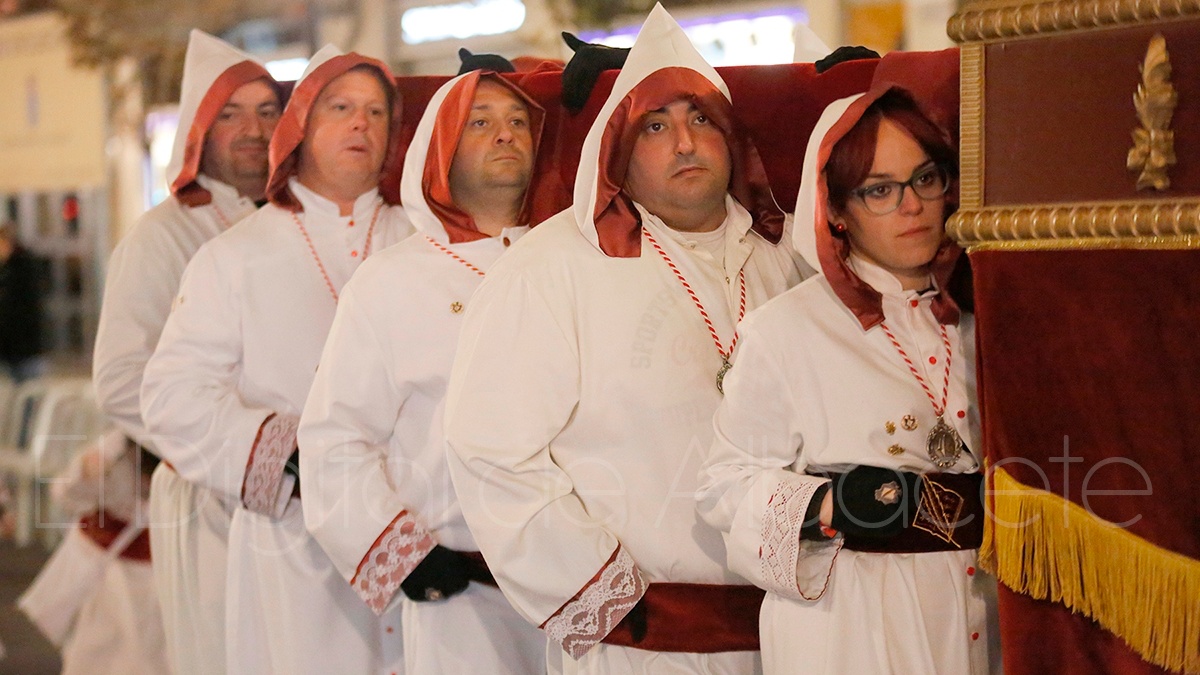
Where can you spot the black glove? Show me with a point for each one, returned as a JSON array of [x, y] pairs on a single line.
[[441, 574], [292, 467], [493, 62], [810, 527], [585, 66], [872, 502], [843, 54]]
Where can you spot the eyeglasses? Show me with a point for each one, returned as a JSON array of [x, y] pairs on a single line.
[[928, 183]]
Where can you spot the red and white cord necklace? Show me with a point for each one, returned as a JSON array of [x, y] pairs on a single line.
[[221, 217], [943, 443], [725, 354], [313, 249], [454, 255]]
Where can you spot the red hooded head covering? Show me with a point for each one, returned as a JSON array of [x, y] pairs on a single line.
[[814, 239], [425, 185], [212, 71], [325, 66], [663, 67]]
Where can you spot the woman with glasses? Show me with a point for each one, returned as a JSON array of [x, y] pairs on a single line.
[[845, 470]]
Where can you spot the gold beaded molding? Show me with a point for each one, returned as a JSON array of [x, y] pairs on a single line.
[[1157, 224], [987, 21]]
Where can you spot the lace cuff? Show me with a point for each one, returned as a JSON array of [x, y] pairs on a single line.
[[264, 470], [779, 553], [397, 551], [598, 607]]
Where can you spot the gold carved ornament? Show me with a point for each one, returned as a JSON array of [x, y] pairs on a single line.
[[1153, 150]]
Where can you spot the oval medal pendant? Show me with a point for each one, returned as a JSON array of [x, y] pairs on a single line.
[[944, 444], [725, 367]]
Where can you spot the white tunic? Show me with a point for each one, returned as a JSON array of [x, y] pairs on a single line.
[[241, 346], [813, 392], [188, 543], [143, 275], [578, 415], [373, 422]]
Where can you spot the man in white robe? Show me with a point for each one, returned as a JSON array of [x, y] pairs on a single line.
[[228, 110], [228, 380], [377, 491], [587, 373]]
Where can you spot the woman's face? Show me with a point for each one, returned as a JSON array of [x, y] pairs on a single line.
[[905, 240]]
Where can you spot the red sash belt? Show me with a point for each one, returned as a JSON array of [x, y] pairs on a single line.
[[103, 528], [695, 618], [949, 518]]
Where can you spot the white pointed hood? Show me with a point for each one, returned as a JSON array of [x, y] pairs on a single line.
[[813, 237], [425, 181], [212, 71], [662, 67], [808, 47], [325, 66]]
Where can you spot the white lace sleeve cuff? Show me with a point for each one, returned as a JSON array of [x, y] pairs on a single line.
[[261, 487], [598, 607], [394, 555], [785, 567]]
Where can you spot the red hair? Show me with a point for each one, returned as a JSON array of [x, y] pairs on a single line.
[[851, 158]]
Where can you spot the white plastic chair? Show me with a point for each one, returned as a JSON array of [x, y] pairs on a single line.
[[65, 417], [18, 415], [16, 424]]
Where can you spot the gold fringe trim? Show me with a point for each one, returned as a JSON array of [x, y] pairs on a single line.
[[1049, 548]]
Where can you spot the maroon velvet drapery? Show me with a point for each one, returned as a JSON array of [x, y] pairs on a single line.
[[1088, 381]]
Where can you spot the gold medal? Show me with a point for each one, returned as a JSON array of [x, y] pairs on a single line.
[[944, 444], [725, 367]]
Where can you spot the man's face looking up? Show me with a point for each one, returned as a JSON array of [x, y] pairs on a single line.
[[495, 149]]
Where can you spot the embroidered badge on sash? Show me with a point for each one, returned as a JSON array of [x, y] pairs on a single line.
[[939, 510]]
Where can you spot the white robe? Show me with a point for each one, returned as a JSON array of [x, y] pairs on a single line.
[[813, 392], [242, 344], [578, 415], [189, 552], [374, 458]]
